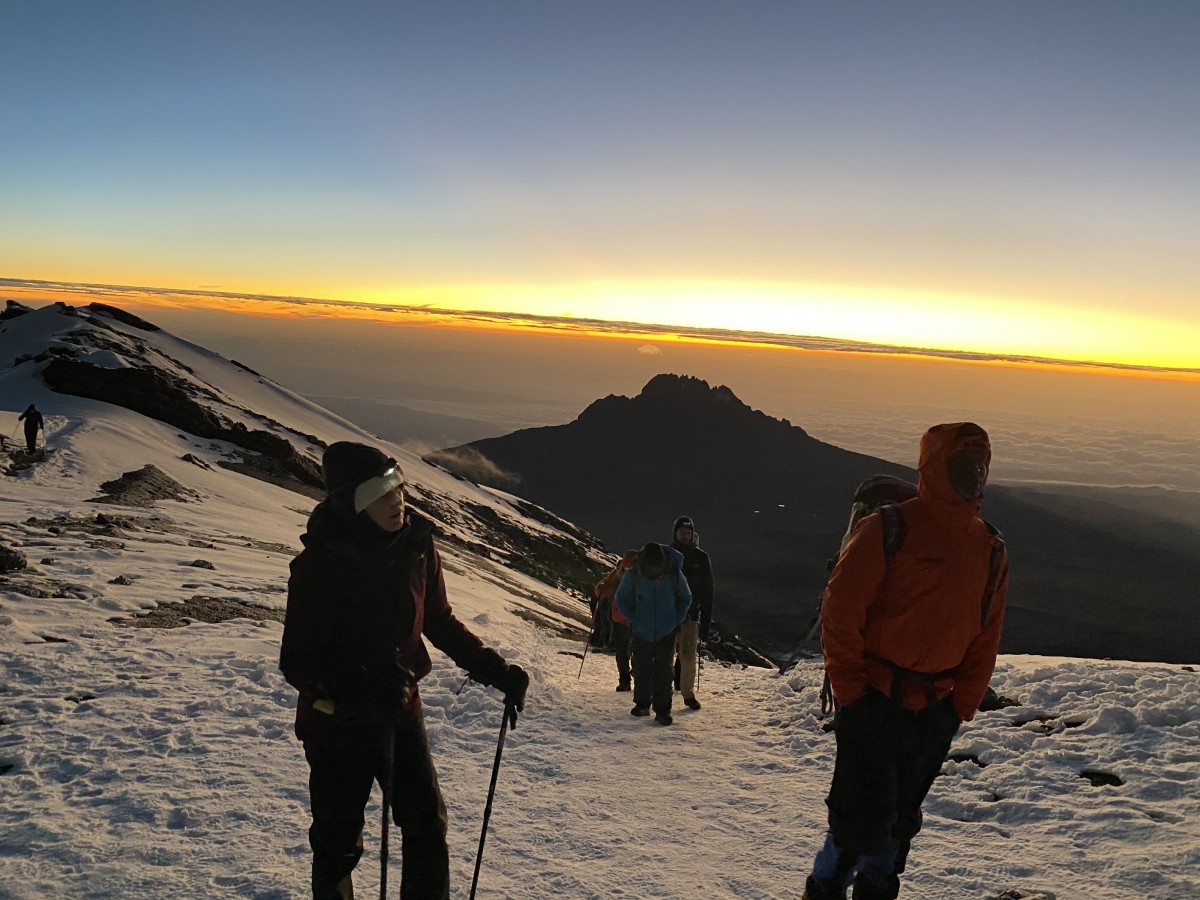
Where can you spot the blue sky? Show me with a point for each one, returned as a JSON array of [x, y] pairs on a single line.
[[1019, 155]]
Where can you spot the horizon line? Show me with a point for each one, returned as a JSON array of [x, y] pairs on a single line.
[[599, 327]]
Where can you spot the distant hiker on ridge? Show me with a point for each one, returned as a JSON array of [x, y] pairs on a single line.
[[33, 423], [655, 598], [910, 642], [698, 571], [366, 587], [606, 588]]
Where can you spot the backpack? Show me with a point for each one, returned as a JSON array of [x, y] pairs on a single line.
[[878, 494], [882, 494]]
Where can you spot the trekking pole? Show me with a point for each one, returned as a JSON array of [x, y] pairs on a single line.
[[390, 761], [510, 712], [586, 645]]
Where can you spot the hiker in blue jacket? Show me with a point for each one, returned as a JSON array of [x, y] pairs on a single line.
[[655, 598]]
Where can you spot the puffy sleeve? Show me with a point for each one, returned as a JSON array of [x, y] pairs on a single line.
[[852, 589], [975, 671]]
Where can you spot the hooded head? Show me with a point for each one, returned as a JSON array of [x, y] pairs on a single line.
[[652, 561], [629, 560], [954, 463], [361, 473], [689, 531]]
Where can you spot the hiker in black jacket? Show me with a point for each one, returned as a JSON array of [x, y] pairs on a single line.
[[698, 571], [364, 590], [33, 424]]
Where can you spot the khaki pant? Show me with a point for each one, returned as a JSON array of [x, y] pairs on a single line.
[[687, 643]]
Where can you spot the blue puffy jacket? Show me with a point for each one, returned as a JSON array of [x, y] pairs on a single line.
[[655, 607]]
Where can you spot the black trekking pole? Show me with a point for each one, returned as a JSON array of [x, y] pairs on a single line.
[[390, 761], [510, 712], [586, 645]]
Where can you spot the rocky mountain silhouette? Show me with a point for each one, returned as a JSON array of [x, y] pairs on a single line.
[[771, 502]]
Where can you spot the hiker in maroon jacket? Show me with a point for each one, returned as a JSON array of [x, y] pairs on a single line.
[[364, 590]]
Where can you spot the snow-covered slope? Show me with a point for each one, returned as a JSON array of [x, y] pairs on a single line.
[[159, 762]]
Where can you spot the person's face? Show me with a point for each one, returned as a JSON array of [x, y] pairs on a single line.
[[683, 534], [968, 473], [388, 511], [654, 571]]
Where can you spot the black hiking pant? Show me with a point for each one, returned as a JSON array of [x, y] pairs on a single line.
[[30, 439], [652, 662], [887, 759], [622, 649], [344, 762]]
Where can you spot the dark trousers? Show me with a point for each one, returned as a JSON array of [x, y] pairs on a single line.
[[652, 662], [887, 759], [344, 763], [31, 439], [622, 649]]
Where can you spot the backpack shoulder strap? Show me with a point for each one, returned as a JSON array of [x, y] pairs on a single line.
[[996, 559], [894, 531]]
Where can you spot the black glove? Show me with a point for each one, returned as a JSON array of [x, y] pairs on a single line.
[[393, 688], [514, 682]]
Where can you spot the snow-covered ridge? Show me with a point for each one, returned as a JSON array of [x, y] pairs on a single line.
[[224, 415], [159, 763]]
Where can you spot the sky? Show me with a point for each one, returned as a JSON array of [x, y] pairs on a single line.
[[1012, 178], [144, 762]]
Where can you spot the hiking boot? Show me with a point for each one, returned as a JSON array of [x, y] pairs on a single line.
[[623, 686], [663, 718], [640, 711], [813, 891], [690, 701]]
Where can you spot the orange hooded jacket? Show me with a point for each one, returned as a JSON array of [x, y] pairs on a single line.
[[924, 611], [607, 586]]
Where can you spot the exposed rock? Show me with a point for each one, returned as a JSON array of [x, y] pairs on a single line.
[[143, 487], [121, 315], [121, 579], [196, 461], [12, 309], [199, 609], [201, 564], [154, 393], [11, 560]]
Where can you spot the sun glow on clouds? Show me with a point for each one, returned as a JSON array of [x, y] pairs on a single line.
[[897, 317], [768, 313]]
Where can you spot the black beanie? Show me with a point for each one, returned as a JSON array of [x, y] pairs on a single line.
[[681, 522], [349, 463]]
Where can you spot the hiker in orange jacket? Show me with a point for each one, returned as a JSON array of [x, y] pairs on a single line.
[[910, 644], [605, 589]]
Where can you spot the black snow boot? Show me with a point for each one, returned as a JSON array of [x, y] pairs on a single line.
[[663, 718], [640, 711], [623, 686], [813, 891]]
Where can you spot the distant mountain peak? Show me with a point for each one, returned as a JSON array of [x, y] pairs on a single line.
[[672, 397]]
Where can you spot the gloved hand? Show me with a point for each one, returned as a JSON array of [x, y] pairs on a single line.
[[394, 687], [514, 682]]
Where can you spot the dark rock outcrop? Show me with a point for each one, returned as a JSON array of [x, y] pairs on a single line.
[[11, 560], [143, 488]]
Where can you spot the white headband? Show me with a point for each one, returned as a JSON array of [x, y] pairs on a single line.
[[374, 488]]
